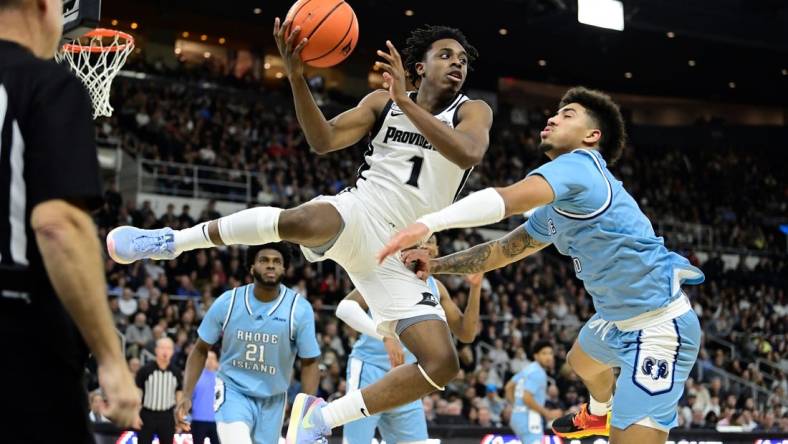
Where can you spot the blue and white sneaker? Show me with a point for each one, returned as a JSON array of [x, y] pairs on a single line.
[[306, 423], [128, 244]]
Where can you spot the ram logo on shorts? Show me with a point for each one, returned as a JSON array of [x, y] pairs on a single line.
[[428, 299], [656, 368]]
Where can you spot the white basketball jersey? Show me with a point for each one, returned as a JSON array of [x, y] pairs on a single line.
[[404, 177]]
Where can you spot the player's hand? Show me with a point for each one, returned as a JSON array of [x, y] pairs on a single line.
[[394, 349], [181, 411], [290, 48], [417, 260], [123, 396], [394, 76], [475, 280], [410, 236]]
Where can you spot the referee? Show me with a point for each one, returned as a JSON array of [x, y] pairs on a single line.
[[53, 299], [161, 387]]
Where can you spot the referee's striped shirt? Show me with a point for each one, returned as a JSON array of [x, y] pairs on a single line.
[[158, 386]]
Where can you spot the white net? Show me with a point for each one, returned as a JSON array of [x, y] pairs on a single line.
[[96, 58]]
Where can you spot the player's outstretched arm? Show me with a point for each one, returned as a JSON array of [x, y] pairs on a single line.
[[323, 136], [352, 310], [463, 325], [481, 258], [69, 246], [484, 207], [464, 145], [194, 365]]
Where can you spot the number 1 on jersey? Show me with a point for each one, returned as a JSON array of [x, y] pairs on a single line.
[[417, 161]]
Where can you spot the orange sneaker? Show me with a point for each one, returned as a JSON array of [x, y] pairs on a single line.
[[582, 424]]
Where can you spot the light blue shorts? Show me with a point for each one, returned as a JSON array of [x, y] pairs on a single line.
[[655, 363], [528, 426], [264, 416], [403, 424]]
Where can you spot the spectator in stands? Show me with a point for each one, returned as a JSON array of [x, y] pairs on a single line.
[[209, 212], [127, 303], [185, 219], [97, 407], [137, 335]]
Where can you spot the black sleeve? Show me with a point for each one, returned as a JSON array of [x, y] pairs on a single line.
[[60, 142], [142, 375], [179, 378]]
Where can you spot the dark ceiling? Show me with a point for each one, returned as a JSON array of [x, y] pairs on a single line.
[[732, 42]]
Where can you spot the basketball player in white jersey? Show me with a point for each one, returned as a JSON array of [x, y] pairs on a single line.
[[422, 146]]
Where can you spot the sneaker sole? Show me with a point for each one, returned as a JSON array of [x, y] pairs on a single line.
[[584, 433], [295, 418], [111, 248]]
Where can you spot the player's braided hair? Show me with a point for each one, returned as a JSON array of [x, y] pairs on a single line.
[[420, 41], [606, 114]]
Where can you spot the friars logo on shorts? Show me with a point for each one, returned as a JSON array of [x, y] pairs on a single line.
[[428, 299], [656, 368]]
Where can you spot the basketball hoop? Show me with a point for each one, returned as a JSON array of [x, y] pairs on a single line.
[[96, 58]]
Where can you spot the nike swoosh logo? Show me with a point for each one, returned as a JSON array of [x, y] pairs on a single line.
[[364, 412], [395, 114]]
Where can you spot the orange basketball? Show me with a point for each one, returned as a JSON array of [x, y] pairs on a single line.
[[331, 27]]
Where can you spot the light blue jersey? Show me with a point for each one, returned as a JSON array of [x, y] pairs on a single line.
[[623, 264], [260, 341], [372, 351], [526, 423]]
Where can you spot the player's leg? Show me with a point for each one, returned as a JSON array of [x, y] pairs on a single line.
[[234, 432], [437, 364], [655, 364], [360, 375], [312, 224], [528, 427], [639, 434], [404, 425], [592, 358], [428, 339], [145, 435], [269, 418], [235, 414]]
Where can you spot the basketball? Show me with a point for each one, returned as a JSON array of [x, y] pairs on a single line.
[[331, 27]]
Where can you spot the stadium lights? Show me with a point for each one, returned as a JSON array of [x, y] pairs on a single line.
[[114, 22], [691, 62], [409, 12], [628, 75], [257, 11], [503, 31], [134, 25], [607, 14], [785, 72], [671, 34], [542, 62], [731, 85]]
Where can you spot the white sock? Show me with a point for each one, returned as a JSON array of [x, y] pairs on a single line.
[[192, 238], [598, 408], [345, 409], [253, 226]]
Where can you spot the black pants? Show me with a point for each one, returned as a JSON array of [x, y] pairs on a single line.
[[202, 430], [161, 423], [43, 374]]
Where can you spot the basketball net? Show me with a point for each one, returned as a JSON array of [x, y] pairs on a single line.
[[96, 58]]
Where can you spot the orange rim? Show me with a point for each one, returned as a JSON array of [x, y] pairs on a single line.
[[101, 32]]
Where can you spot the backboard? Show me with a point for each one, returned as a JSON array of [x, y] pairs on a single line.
[[79, 17]]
